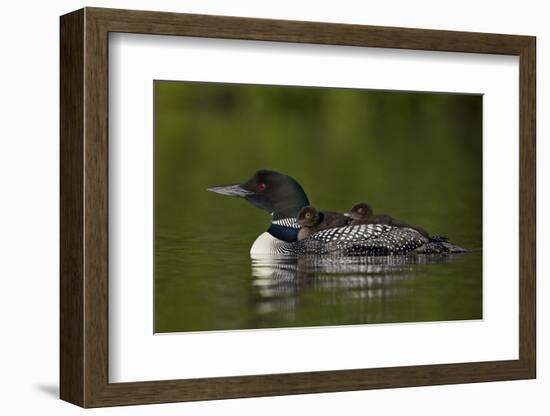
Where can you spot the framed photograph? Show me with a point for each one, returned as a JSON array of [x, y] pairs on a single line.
[[255, 207]]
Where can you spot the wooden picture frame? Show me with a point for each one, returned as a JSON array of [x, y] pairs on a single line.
[[84, 207]]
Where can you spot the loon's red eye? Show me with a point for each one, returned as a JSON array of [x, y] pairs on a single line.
[[262, 186]]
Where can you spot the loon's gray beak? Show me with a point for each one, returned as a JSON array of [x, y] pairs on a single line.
[[347, 214], [231, 190]]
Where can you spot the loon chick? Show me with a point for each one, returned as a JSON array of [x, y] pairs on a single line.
[[362, 213], [283, 197], [313, 221]]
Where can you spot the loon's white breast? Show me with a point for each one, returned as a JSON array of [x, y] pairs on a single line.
[[265, 244]]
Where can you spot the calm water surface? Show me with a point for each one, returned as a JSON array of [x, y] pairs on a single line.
[[221, 289]]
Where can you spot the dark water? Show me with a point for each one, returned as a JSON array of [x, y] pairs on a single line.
[[415, 156], [209, 282], [314, 291]]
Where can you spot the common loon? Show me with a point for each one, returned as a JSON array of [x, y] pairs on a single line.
[[362, 213], [283, 197], [312, 221]]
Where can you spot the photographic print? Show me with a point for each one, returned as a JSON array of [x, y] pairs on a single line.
[[294, 206], [242, 183]]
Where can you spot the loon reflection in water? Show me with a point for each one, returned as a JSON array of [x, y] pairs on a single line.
[[280, 281], [283, 197]]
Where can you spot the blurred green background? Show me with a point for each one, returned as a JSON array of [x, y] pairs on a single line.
[[417, 156]]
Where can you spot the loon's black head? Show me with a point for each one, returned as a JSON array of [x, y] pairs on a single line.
[[278, 194], [308, 217], [360, 211]]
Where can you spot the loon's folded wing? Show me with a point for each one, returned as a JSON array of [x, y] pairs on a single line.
[[369, 239]]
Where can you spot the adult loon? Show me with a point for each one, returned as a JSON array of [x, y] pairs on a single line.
[[283, 197]]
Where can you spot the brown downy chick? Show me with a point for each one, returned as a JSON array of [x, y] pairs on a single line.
[[313, 221], [361, 213]]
